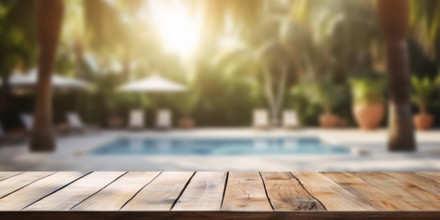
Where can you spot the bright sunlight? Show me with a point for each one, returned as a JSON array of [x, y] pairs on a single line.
[[179, 31]]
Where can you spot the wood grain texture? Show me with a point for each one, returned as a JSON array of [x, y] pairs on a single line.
[[219, 215], [76, 192], [401, 190], [245, 192], [422, 182], [114, 196], [286, 193], [37, 190], [5, 175], [160, 194], [333, 196], [203, 193], [14, 183], [371, 195], [220, 195], [432, 175]]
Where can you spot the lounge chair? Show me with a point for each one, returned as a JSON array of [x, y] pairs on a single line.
[[76, 124], [163, 119], [261, 119], [136, 120], [290, 119], [27, 121]]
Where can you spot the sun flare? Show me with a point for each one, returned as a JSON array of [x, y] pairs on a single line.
[[179, 31]]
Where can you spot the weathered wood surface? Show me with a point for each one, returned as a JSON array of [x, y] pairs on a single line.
[[245, 192], [160, 194], [332, 195], [384, 195], [73, 194], [203, 193], [286, 193]]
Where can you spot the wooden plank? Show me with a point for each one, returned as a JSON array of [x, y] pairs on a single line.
[[287, 194], [114, 196], [333, 196], [37, 190], [76, 192], [204, 192], [161, 193], [219, 215], [422, 182], [373, 196], [432, 175], [6, 175], [401, 190], [245, 192], [14, 183]]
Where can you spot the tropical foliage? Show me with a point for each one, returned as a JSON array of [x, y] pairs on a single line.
[[423, 91], [249, 55], [368, 89]]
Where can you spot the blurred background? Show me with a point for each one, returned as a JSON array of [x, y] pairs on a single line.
[[215, 48], [217, 63]]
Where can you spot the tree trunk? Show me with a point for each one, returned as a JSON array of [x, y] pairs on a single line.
[[79, 58], [394, 19], [49, 16], [275, 97], [270, 95]]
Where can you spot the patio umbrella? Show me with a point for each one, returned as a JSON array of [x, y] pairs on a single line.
[[25, 80], [153, 84]]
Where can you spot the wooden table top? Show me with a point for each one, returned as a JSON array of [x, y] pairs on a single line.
[[228, 194]]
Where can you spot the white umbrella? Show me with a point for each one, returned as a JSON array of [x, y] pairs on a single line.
[[30, 79], [154, 83]]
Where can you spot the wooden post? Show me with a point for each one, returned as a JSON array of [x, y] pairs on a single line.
[[394, 21], [49, 17]]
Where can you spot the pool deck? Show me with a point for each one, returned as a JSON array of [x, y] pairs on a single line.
[[220, 195], [73, 153]]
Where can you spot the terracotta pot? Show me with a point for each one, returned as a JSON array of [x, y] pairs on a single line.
[[423, 121], [369, 115], [115, 122], [342, 123], [329, 120], [186, 123]]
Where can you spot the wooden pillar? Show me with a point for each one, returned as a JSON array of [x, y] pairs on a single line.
[[49, 17], [394, 21]]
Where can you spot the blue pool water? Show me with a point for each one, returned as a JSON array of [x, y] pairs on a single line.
[[220, 147]]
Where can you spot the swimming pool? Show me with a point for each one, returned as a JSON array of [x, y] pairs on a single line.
[[220, 146]]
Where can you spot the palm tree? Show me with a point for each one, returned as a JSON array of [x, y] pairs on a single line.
[[425, 25], [394, 19], [267, 60], [90, 26], [17, 41], [49, 17], [321, 30]]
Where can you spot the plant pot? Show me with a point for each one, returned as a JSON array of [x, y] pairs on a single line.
[[186, 123], [423, 121], [369, 115], [342, 123], [115, 122], [328, 120]]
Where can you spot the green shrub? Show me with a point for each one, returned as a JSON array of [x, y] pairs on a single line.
[[324, 93], [422, 91], [367, 89]]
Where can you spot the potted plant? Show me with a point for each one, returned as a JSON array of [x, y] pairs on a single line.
[[115, 121], [327, 95], [423, 89], [186, 104], [368, 102]]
